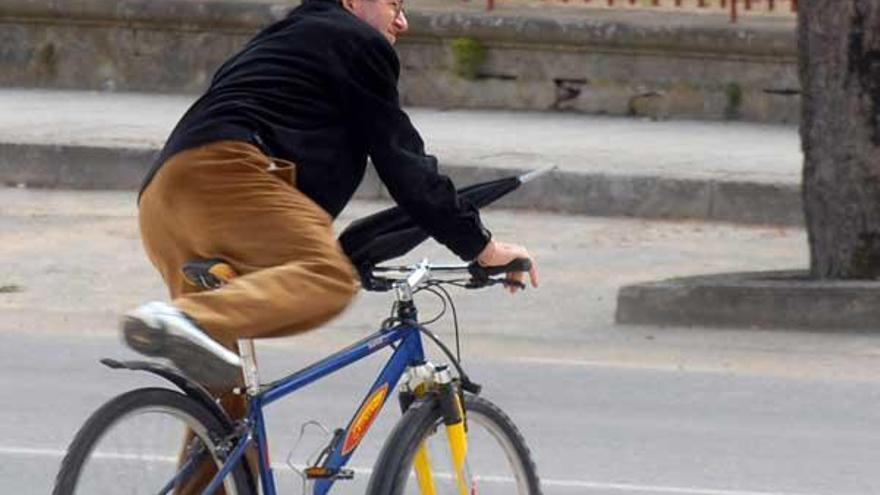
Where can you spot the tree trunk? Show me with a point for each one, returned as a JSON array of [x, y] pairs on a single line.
[[839, 48]]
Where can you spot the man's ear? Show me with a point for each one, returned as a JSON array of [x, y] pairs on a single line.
[[348, 4]]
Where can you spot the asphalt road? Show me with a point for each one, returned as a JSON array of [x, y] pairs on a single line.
[[606, 409], [593, 429]]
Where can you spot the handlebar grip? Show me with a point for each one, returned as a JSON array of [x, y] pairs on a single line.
[[482, 273]]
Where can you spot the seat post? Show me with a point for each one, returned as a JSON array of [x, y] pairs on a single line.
[[249, 366]]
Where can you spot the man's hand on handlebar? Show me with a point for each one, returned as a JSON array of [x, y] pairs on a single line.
[[499, 254]]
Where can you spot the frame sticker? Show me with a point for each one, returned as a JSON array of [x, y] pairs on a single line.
[[364, 418]]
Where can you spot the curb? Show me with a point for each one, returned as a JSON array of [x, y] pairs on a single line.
[[73, 166], [763, 300], [651, 197], [600, 194]]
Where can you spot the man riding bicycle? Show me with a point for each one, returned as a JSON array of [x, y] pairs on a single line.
[[257, 169]]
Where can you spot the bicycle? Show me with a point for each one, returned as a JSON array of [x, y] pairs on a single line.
[[429, 396]]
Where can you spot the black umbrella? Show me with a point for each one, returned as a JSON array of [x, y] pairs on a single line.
[[391, 232]]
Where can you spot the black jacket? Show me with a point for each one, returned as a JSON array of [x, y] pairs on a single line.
[[319, 88]]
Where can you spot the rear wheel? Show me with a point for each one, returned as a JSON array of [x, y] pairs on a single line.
[[498, 459], [138, 443]]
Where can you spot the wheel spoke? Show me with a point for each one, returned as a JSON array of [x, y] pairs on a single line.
[[494, 461], [147, 441]]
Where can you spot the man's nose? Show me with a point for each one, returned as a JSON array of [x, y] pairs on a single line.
[[401, 23]]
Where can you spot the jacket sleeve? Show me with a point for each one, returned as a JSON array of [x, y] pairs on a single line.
[[398, 153]]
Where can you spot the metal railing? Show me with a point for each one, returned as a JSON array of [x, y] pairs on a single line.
[[734, 7]]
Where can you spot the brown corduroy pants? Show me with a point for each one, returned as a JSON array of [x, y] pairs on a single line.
[[228, 200]]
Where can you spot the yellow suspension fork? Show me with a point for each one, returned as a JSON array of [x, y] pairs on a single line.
[[422, 467], [421, 462], [456, 433], [458, 448]]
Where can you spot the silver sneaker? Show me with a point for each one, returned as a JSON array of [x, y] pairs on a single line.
[[158, 329]]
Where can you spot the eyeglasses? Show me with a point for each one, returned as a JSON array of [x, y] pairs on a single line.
[[397, 5]]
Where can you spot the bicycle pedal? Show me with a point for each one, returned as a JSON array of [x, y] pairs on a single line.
[[318, 472]]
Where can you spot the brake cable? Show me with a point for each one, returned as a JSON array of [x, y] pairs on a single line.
[[454, 320], [466, 383]]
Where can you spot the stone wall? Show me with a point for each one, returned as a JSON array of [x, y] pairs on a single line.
[[637, 68], [449, 59]]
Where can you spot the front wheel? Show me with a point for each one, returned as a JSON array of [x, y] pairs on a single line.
[[498, 460], [149, 441]]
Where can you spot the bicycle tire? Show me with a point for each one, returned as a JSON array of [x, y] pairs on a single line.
[[134, 407], [391, 475]]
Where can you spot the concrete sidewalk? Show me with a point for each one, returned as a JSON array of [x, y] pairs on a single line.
[[71, 261], [738, 172]]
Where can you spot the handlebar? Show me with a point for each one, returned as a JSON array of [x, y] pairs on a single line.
[[384, 278], [485, 273]]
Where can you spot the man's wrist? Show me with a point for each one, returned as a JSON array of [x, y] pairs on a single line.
[[487, 253]]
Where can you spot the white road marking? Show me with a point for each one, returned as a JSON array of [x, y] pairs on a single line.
[[14, 451]]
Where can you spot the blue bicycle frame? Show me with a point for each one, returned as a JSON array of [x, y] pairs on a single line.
[[409, 352]]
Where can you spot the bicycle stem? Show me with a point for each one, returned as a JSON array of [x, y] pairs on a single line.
[[404, 289]]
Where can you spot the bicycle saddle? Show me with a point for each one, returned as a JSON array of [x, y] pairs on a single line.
[[210, 273]]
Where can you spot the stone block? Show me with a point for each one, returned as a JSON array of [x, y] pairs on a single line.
[[781, 300]]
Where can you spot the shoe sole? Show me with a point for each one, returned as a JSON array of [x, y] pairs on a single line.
[[193, 360], [143, 338]]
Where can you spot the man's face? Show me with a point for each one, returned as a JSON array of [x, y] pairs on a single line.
[[386, 16]]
